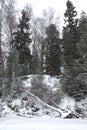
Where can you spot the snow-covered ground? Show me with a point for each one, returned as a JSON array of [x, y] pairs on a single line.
[[41, 123], [28, 112], [28, 105], [52, 82]]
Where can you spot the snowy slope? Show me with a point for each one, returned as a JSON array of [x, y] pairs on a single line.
[[43, 123], [26, 104]]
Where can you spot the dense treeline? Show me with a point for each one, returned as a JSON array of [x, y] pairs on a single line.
[[74, 46], [30, 45]]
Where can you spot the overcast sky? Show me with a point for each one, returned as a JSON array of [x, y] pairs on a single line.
[[58, 5]]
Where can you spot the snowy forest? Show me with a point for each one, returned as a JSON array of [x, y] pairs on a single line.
[[43, 71]]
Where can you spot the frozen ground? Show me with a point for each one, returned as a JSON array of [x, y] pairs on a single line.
[[40, 120], [41, 123]]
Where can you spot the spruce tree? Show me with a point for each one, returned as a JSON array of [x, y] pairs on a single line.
[[70, 36], [52, 51], [75, 74], [71, 53], [22, 39]]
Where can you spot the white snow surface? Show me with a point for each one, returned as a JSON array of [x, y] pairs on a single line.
[[22, 107], [67, 103], [41, 123], [23, 117]]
